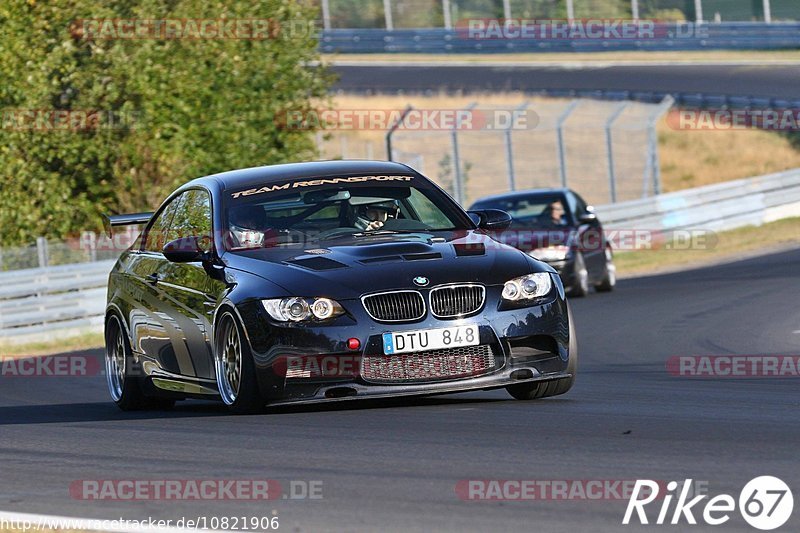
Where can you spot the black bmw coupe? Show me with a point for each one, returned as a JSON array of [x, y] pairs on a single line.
[[328, 281]]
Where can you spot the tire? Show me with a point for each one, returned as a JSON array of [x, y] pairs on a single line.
[[609, 280], [580, 286], [123, 385], [544, 389], [234, 367]]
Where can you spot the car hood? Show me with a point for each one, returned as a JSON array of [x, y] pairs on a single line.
[[348, 268]]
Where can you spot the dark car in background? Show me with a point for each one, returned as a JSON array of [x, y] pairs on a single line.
[[328, 281], [558, 227]]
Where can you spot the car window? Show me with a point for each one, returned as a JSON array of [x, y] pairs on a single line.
[[193, 216], [157, 231], [528, 212], [418, 206]]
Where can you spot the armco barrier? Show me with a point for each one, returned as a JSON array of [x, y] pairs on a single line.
[[720, 207], [706, 36], [37, 303]]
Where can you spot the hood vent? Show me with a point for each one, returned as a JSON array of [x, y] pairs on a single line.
[[422, 257], [468, 249], [404, 257], [384, 259], [317, 263]]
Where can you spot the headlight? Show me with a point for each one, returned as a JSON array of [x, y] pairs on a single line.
[[528, 287], [551, 253], [296, 309]]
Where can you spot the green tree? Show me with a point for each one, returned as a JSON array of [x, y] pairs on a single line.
[[188, 106]]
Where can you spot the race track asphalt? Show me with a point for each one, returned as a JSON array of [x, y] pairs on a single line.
[[394, 465], [766, 81]]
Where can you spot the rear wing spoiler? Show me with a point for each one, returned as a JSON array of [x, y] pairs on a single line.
[[129, 219]]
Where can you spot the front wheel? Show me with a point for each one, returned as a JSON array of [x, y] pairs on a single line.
[[544, 389], [609, 280], [233, 362], [580, 286]]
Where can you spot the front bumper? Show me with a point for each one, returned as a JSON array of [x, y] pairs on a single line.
[[333, 393], [528, 344]]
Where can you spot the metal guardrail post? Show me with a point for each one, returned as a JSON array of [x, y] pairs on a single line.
[[406, 111], [92, 245], [387, 14], [562, 154], [612, 178], [654, 161], [650, 161], [656, 164], [635, 9], [507, 10], [448, 16], [570, 11], [42, 251], [326, 14], [767, 12], [458, 182], [510, 161], [510, 147], [698, 11]]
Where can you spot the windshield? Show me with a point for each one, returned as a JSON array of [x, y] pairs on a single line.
[[297, 212], [542, 211]]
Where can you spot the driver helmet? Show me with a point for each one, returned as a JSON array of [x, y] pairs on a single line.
[[247, 225], [391, 208]]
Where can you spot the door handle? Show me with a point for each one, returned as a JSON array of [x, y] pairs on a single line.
[[152, 279]]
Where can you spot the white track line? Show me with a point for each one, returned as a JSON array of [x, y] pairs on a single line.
[[42, 521]]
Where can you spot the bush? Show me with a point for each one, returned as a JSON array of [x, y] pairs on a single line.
[[169, 110]]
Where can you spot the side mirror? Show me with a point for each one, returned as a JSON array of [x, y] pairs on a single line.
[[589, 216], [491, 219], [188, 249]]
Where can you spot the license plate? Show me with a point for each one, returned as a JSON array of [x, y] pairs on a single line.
[[430, 339]]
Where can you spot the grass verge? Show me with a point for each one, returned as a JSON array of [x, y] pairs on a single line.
[[85, 341], [730, 245]]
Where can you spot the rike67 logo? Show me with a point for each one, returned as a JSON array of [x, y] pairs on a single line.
[[765, 503]]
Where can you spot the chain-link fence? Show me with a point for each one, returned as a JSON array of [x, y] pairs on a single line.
[[396, 14], [608, 151]]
